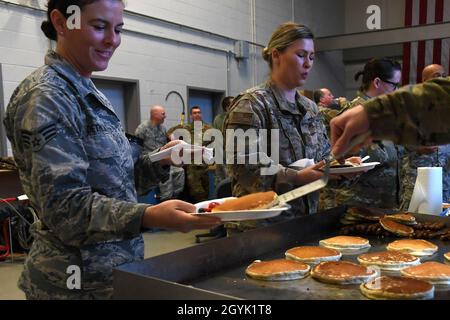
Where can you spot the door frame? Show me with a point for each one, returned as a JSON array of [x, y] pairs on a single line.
[[132, 101], [3, 140], [216, 102]]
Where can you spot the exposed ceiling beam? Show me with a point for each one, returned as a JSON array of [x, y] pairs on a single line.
[[383, 37]]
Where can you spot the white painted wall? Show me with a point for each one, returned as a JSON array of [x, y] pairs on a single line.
[[188, 57], [325, 18]]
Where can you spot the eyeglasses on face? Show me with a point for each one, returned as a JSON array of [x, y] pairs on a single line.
[[396, 85]]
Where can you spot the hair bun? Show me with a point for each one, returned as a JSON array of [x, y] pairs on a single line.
[[358, 74], [49, 30], [266, 54]]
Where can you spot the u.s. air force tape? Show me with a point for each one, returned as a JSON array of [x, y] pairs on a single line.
[[37, 139]]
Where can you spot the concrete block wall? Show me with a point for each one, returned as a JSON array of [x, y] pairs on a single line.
[[175, 44]]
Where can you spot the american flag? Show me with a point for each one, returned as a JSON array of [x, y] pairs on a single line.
[[417, 55]]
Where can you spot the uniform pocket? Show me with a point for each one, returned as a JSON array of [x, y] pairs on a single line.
[[101, 146], [312, 129]]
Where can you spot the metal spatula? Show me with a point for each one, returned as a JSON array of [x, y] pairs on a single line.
[[318, 184]]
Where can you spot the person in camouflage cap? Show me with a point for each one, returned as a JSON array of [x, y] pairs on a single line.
[[277, 105], [77, 167]]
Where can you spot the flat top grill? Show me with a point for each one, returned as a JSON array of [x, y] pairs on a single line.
[[216, 270], [235, 283]]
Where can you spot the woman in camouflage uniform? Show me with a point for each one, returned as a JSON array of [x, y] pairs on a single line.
[[77, 166], [379, 187], [278, 105]]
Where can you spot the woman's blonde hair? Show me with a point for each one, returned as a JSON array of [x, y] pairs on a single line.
[[283, 37]]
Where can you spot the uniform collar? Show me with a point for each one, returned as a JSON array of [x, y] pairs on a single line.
[[363, 95], [83, 85], [66, 70], [282, 102]]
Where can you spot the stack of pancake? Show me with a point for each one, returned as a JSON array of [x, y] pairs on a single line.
[[373, 221]]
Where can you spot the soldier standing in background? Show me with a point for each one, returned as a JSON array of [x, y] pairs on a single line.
[[197, 182], [417, 157], [221, 173], [154, 135], [329, 107], [152, 131]]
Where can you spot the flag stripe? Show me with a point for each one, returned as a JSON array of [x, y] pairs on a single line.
[[417, 55], [407, 46], [422, 45], [438, 18]]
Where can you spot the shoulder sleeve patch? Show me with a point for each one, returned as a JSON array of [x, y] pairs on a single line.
[[244, 118], [37, 139]]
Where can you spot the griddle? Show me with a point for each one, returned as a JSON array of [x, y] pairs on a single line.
[[216, 270]]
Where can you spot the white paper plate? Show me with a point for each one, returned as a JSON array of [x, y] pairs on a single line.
[[364, 167], [240, 215], [207, 153]]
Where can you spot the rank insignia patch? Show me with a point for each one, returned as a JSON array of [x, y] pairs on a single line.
[[37, 139]]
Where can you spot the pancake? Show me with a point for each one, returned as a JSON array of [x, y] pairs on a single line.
[[345, 243], [418, 248], [369, 214], [396, 228], [342, 272], [403, 218], [252, 201], [313, 255], [348, 164], [389, 260], [397, 288], [277, 270], [432, 272]]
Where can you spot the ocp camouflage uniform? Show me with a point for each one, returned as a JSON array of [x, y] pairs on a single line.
[[379, 187], [197, 175], [302, 135], [155, 137], [328, 114], [415, 115], [77, 168], [327, 195], [220, 172], [413, 160]]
